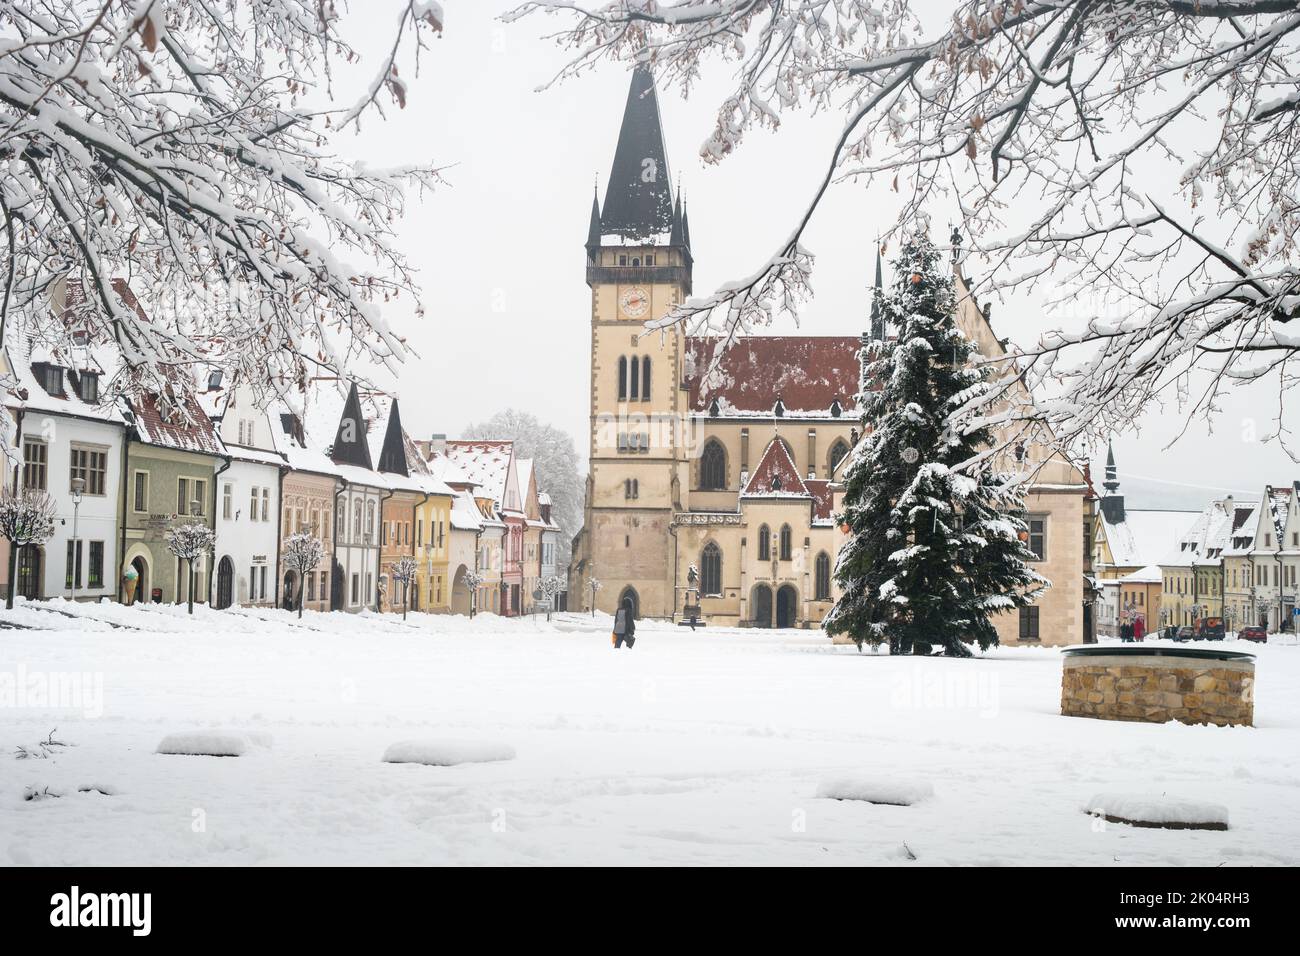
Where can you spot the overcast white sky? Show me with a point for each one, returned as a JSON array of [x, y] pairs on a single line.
[[500, 248]]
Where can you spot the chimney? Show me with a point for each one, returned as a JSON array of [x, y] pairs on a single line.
[[438, 444]]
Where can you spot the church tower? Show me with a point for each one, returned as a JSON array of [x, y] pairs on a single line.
[[639, 269]]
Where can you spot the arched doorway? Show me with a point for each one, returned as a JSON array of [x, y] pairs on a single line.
[[630, 592], [225, 583], [29, 572], [460, 596], [787, 606], [142, 579], [760, 603]]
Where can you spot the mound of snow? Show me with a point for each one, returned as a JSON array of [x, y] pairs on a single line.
[[1157, 810], [447, 753], [897, 793], [212, 743]]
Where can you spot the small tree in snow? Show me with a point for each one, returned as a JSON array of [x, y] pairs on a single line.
[[26, 518], [932, 554], [551, 587], [303, 553], [189, 542], [473, 580], [595, 586], [403, 572]]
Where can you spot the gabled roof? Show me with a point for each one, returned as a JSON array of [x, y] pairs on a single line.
[[1150, 574], [489, 464], [638, 203], [810, 375], [775, 476]]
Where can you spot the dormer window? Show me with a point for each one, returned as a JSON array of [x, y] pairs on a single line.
[[214, 378], [714, 408], [88, 387], [836, 409], [779, 409], [50, 378], [776, 482]]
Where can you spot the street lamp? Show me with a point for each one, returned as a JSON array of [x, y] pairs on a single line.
[[196, 509], [78, 489]]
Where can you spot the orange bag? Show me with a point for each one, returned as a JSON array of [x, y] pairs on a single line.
[[613, 638]]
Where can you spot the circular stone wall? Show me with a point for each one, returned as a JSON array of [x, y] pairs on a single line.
[[1157, 684]]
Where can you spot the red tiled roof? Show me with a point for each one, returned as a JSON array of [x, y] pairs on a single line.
[[197, 434], [822, 496], [776, 475], [806, 372]]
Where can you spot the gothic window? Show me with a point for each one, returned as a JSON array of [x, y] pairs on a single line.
[[711, 570], [785, 542], [622, 378], [838, 451], [764, 544], [822, 577], [635, 391], [713, 467], [645, 379]]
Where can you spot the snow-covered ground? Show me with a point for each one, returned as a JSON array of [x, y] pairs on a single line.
[[703, 748]]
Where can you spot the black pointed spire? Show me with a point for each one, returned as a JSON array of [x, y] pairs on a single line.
[[350, 446], [877, 320], [593, 228], [686, 226], [638, 198], [392, 457], [1112, 502], [678, 237]]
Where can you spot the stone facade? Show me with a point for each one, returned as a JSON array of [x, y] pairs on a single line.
[[1159, 689]]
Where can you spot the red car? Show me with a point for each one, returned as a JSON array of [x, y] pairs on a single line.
[[1253, 633]]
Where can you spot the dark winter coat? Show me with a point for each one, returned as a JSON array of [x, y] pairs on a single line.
[[625, 621]]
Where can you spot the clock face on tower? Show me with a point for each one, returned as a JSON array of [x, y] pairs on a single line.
[[634, 302]]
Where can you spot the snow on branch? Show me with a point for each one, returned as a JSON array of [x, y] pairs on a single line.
[[185, 147], [1135, 162]]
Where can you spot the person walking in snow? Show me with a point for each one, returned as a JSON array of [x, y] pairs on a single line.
[[625, 624]]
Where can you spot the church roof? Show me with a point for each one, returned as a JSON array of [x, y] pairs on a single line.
[[808, 374], [775, 476], [823, 499], [638, 203]]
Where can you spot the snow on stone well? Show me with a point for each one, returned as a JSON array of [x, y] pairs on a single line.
[[212, 743]]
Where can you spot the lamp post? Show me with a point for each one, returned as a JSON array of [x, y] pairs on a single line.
[[78, 489], [196, 509]]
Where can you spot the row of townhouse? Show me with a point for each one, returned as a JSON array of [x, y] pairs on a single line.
[[333, 460], [1238, 560]]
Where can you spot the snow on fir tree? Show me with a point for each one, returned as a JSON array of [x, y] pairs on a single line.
[[933, 552]]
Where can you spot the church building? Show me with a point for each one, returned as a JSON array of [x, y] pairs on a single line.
[[722, 465]]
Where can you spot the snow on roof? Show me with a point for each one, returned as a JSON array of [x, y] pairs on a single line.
[[464, 512], [1151, 574], [188, 428], [1145, 536], [485, 462], [807, 374], [1205, 541], [775, 476], [445, 469]]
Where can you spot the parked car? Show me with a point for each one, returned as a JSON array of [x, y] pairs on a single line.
[[1184, 633], [1253, 632], [1210, 629]]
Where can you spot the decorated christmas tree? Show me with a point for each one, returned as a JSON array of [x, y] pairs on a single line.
[[934, 550]]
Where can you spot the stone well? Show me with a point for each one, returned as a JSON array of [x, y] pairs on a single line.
[[1192, 685]]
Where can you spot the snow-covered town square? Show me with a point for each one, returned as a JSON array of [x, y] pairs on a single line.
[[710, 747], [540, 434]]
